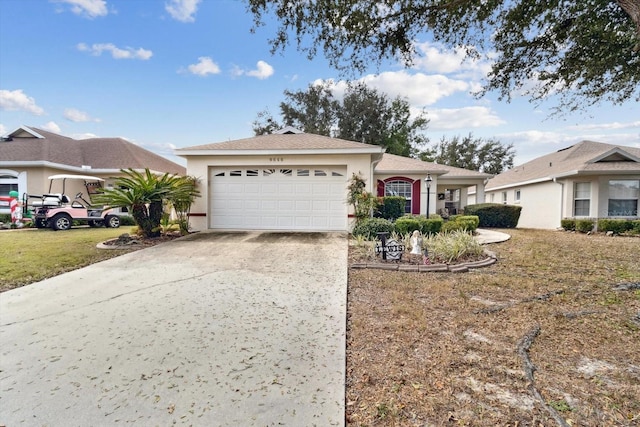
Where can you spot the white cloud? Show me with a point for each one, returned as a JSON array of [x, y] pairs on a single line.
[[89, 8], [419, 89], [204, 66], [435, 58], [78, 116], [84, 136], [462, 118], [3, 130], [182, 10], [51, 127], [17, 100], [263, 71], [606, 126], [96, 49]]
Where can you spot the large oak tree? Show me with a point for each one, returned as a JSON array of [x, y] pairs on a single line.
[[469, 152], [585, 51], [363, 115]]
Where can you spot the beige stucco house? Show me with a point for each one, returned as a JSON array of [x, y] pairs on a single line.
[[586, 180], [28, 156], [291, 180]]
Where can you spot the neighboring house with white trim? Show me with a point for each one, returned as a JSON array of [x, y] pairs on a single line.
[[586, 180], [291, 180], [29, 155]]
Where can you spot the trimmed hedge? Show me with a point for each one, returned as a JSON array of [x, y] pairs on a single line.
[[369, 227], [619, 226], [584, 225], [495, 214], [408, 224], [462, 223], [391, 207], [568, 224]]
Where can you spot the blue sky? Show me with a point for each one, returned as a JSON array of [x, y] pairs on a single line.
[[176, 73]]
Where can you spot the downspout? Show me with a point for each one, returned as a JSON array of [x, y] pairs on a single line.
[[561, 198]]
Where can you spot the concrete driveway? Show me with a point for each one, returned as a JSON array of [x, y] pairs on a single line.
[[233, 329]]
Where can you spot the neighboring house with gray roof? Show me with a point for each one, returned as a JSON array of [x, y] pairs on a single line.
[[28, 156], [586, 180], [292, 180]]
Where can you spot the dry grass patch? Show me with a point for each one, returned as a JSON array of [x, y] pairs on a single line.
[[453, 349]]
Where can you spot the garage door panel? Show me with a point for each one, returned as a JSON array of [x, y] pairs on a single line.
[[302, 221], [303, 205], [286, 205], [252, 204], [251, 188], [269, 188], [269, 205], [278, 199]]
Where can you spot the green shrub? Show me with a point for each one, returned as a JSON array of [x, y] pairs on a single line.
[[568, 224], [618, 226], [452, 246], [431, 225], [409, 223], [495, 214], [450, 226], [6, 218], [462, 223], [406, 224], [127, 220], [584, 225], [635, 226], [369, 227], [391, 207]]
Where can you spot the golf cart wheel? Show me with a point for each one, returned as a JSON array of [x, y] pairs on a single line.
[[112, 221], [61, 222], [93, 223]]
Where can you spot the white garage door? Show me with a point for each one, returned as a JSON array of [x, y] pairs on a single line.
[[282, 198]]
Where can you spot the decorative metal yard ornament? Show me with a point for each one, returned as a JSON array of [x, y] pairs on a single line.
[[390, 249]]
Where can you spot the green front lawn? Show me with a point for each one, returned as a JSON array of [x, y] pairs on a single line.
[[30, 255]]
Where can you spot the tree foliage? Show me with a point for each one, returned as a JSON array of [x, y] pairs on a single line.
[[363, 115], [489, 156], [586, 51], [145, 195]]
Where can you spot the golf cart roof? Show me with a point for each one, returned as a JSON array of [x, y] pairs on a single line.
[[84, 177]]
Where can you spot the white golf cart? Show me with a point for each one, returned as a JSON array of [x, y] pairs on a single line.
[[58, 211]]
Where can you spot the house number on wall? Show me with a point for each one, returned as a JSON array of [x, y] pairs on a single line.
[[276, 159]]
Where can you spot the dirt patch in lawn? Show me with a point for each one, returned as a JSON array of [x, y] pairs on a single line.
[[549, 335]]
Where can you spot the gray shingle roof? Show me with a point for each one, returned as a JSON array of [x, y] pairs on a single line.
[[582, 158], [391, 163], [99, 153], [286, 141]]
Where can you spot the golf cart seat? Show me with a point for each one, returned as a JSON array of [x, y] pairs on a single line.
[[51, 200]]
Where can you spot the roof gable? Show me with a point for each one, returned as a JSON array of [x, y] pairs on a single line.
[[616, 154], [94, 153], [289, 141], [585, 157], [24, 132], [392, 164]]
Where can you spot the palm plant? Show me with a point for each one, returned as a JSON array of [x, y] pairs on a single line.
[[144, 194], [182, 198]]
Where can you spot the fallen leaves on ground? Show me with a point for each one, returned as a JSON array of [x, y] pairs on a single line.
[[452, 349]]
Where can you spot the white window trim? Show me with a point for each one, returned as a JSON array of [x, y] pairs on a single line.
[[575, 199]]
